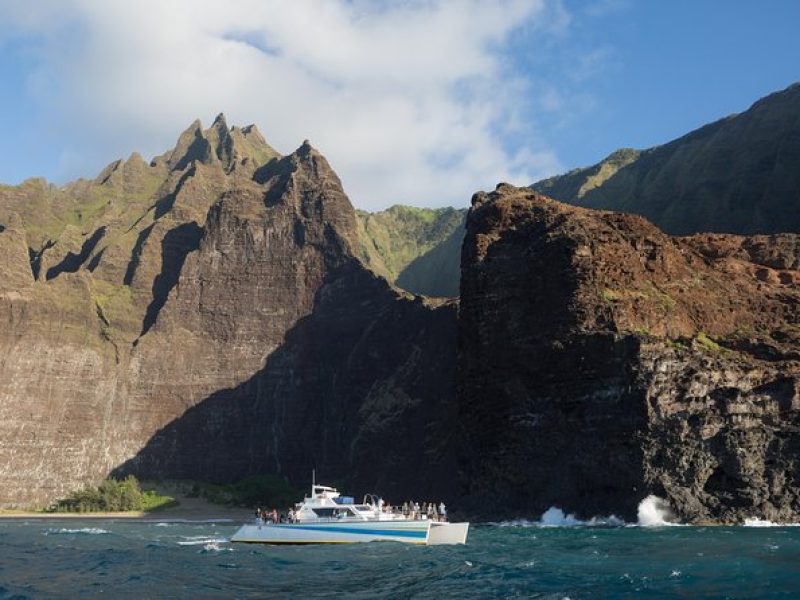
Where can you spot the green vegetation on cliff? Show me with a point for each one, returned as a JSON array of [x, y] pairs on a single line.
[[113, 495], [419, 249], [740, 174]]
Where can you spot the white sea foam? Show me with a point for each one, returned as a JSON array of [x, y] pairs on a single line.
[[82, 531], [756, 522], [517, 523], [201, 541], [215, 546], [655, 512]]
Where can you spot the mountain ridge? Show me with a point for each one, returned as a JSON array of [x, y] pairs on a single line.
[[208, 282], [735, 175]]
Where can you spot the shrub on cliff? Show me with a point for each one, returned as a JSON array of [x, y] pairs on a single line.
[[112, 495]]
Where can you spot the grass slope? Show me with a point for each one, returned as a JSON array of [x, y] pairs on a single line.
[[419, 249]]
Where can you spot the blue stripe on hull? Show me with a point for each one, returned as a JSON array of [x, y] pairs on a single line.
[[358, 531]]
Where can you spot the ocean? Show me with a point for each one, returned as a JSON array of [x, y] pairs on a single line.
[[124, 559]]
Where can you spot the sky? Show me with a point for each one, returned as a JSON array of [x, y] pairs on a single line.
[[417, 102]]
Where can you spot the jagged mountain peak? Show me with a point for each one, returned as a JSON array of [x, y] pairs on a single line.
[[220, 120], [219, 143], [305, 181]]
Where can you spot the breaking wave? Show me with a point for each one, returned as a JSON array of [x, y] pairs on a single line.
[[655, 512]]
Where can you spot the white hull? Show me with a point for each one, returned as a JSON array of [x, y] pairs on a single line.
[[337, 532]]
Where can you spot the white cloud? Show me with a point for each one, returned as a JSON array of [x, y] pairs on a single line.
[[411, 102]]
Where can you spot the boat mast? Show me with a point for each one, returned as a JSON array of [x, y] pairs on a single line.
[[313, 481]]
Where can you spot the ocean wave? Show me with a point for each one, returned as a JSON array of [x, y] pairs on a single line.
[[81, 531], [756, 522]]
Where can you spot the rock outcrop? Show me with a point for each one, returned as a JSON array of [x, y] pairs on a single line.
[[601, 360], [206, 315]]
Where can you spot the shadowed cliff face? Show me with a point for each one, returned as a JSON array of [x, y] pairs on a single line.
[[351, 392], [601, 360], [219, 325]]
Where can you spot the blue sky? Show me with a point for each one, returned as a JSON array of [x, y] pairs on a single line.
[[420, 102], [673, 66]]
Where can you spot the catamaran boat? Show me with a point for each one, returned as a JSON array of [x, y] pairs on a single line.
[[326, 517]]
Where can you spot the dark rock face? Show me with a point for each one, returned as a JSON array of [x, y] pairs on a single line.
[[351, 391], [212, 320], [601, 360]]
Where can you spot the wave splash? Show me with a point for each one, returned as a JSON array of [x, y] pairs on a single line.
[[652, 512], [655, 512], [555, 517]]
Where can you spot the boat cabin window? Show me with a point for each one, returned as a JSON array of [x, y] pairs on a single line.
[[325, 512]]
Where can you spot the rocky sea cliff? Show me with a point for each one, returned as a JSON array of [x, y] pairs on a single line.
[[218, 313]]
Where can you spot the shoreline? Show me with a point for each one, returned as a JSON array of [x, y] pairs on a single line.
[[188, 510], [157, 517]]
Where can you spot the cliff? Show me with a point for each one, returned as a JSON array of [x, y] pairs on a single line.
[[740, 174], [206, 315], [601, 360]]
